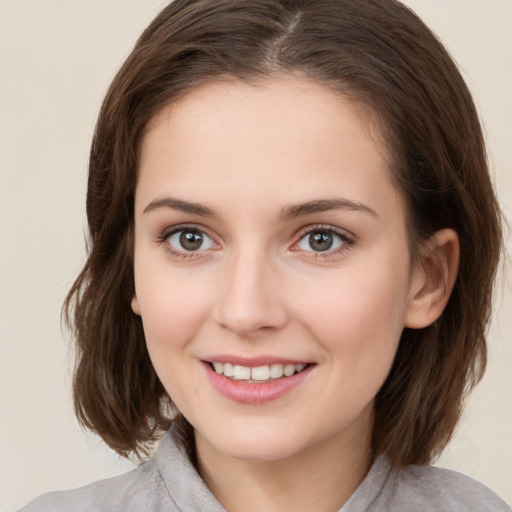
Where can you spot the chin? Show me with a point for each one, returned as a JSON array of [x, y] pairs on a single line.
[[254, 444]]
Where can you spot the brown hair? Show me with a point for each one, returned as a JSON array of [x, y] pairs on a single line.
[[377, 52]]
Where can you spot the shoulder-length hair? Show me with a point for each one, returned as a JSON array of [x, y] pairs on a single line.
[[381, 55]]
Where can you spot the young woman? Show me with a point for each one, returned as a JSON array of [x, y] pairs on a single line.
[[293, 244]]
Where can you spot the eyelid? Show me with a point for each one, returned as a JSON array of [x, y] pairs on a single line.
[[164, 235], [346, 237], [168, 231]]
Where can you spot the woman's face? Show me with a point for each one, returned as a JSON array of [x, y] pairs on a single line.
[[270, 241]]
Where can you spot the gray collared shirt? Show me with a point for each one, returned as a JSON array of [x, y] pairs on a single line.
[[170, 483]]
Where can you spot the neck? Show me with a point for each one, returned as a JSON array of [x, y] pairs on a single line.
[[321, 477]]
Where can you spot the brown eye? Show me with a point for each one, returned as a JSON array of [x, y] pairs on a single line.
[[190, 240], [320, 241], [323, 240]]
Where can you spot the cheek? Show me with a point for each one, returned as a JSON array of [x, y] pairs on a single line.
[[172, 307], [172, 312], [358, 317], [359, 332], [357, 304]]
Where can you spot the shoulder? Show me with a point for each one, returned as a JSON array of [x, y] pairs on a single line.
[[167, 483], [421, 489], [432, 488], [137, 491]]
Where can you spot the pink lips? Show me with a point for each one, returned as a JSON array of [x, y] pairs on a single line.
[[254, 393]]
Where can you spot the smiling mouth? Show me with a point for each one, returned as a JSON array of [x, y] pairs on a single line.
[[257, 374]]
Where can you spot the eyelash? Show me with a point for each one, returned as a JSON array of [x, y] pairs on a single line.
[[164, 237], [347, 240]]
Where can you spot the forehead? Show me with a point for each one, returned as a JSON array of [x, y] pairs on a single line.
[[270, 102], [284, 136]]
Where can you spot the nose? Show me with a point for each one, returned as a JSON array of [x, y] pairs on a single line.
[[251, 299]]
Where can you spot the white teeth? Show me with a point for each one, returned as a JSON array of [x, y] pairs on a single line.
[[260, 373], [276, 371], [257, 373], [289, 370], [241, 372], [228, 369]]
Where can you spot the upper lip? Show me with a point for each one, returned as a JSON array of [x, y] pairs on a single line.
[[253, 361]]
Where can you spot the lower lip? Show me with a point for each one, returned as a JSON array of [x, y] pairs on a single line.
[[254, 393]]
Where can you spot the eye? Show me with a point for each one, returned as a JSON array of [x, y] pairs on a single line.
[[189, 240], [322, 240]]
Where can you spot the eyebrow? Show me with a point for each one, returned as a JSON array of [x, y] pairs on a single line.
[[289, 212], [180, 205], [323, 205]]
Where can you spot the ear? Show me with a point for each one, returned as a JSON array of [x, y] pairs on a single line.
[[135, 304], [432, 279]]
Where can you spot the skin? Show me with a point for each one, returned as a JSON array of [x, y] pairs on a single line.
[[256, 287]]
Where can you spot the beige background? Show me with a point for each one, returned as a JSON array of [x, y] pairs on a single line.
[[56, 59]]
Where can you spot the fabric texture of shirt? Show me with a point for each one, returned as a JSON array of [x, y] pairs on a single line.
[[170, 483]]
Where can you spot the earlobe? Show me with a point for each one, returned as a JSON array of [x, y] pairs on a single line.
[[135, 304], [433, 279]]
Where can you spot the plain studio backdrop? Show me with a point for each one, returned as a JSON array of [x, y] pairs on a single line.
[[57, 57]]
